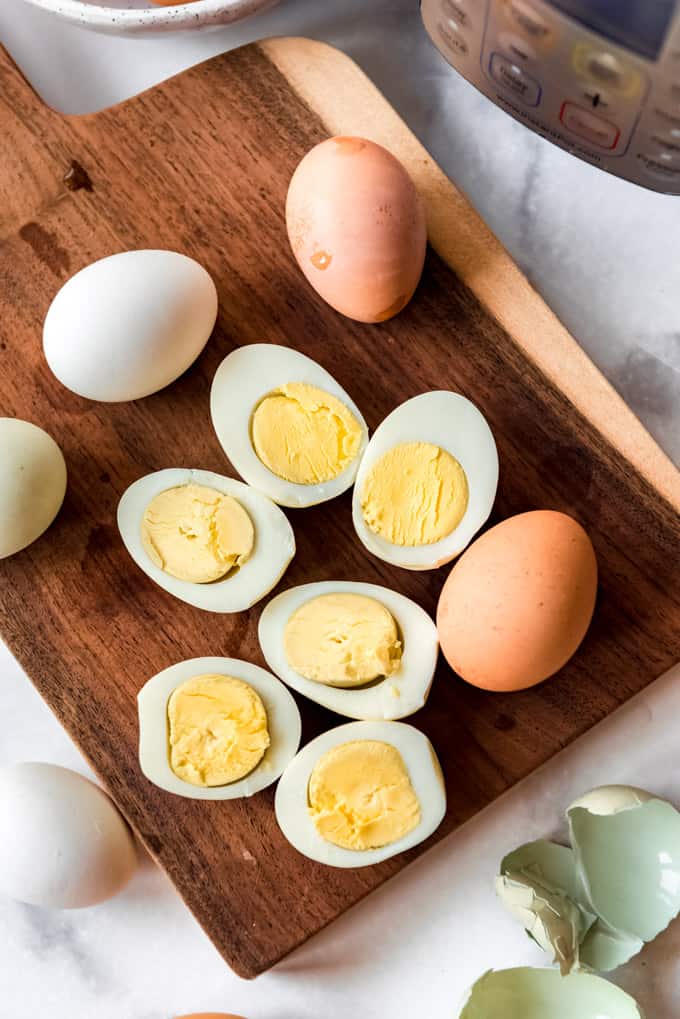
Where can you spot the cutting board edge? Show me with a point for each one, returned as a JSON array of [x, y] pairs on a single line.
[[449, 194]]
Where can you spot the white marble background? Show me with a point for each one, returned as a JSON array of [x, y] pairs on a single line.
[[607, 258]]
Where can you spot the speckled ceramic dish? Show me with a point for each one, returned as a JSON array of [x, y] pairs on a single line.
[[128, 17]]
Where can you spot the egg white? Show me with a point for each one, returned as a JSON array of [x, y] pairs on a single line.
[[396, 696], [272, 552], [453, 423], [283, 720], [241, 382], [421, 762]]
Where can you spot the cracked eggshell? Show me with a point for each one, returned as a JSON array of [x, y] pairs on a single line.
[[527, 993], [283, 720], [541, 886], [129, 324], [421, 762], [274, 541], [627, 848], [611, 799], [32, 483], [241, 382], [393, 697], [538, 885], [453, 423]]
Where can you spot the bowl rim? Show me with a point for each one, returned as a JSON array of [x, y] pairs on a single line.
[[182, 15]]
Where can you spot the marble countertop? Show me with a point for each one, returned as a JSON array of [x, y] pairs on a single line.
[[606, 257]]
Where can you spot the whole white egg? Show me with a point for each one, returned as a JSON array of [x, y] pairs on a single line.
[[63, 843], [130, 324], [32, 483]]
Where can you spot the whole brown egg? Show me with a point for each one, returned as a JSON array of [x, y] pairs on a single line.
[[518, 602], [356, 225]]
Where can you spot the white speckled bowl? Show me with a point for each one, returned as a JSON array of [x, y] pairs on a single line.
[[128, 17]]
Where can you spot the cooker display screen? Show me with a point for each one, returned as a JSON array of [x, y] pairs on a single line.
[[639, 25]]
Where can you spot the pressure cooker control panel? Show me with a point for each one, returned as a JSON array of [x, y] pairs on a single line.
[[600, 78]]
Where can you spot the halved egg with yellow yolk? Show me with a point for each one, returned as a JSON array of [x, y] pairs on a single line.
[[427, 481], [216, 728], [286, 425], [208, 540], [358, 649], [361, 793]]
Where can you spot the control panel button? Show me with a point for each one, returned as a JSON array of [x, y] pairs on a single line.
[[667, 117], [459, 10], [586, 125], [665, 157], [516, 48], [452, 37], [515, 79], [660, 170], [607, 70], [667, 138], [528, 20]]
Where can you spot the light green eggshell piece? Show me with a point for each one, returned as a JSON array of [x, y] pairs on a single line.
[[552, 920], [540, 886], [604, 949], [550, 864], [527, 993], [629, 861], [611, 799]]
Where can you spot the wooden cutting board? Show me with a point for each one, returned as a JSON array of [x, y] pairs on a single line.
[[201, 165]]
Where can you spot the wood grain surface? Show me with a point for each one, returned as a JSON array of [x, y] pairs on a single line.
[[201, 165]]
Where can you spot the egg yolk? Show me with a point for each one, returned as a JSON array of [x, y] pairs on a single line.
[[415, 494], [360, 796], [342, 640], [305, 435], [196, 534], [217, 730]]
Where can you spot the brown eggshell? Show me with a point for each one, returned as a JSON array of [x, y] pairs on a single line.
[[517, 604], [357, 228]]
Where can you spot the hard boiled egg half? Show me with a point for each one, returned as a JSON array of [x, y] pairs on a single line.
[[427, 481], [286, 425], [216, 728], [208, 540], [361, 793], [360, 650]]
